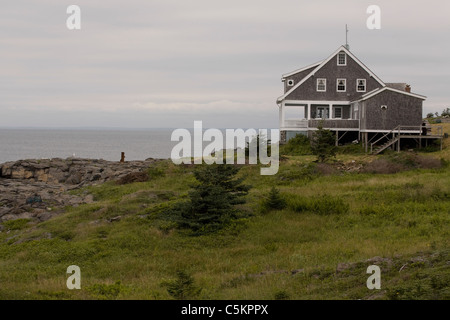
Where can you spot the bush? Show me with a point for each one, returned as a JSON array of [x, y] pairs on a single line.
[[282, 295], [274, 201], [182, 287], [297, 146], [351, 149]]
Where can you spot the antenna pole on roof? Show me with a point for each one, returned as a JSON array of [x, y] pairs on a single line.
[[346, 38]]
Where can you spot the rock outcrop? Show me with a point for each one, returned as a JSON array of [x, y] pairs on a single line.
[[38, 189]]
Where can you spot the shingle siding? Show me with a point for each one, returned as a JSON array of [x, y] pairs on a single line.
[[297, 77], [401, 110], [331, 71]]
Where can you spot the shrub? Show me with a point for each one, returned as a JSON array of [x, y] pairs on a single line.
[[351, 148], [282, 295], [323, 144], [274, 201], [182, 287], [297, 146]]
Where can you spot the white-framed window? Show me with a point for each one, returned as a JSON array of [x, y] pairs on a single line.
[[322, 113], [341, 85], [338, 112], [321, 85], [342, 59], [290, 82], [361, 85]]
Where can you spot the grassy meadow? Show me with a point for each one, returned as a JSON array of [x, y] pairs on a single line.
[[335, 225]]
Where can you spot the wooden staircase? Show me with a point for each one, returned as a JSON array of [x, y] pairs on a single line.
[[384, 146], [404, 132], [390, 142]]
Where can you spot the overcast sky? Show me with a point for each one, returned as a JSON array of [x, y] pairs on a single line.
[[166, 63]]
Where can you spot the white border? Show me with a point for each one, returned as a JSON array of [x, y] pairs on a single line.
[[337, 84], [345, 63], [317, 85], [365, 85]]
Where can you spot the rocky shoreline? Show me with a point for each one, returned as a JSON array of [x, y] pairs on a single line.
[[38, 189]]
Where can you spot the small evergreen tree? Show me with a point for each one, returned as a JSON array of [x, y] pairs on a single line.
[[213, 199], [323, 143], [182, 287], [274, 200]]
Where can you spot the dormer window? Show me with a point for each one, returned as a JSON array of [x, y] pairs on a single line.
[[341, 85], [321, 85], [361, 85], [341, 59], [290, 83]]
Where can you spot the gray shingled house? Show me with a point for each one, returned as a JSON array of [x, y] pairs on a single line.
[[350, 100]]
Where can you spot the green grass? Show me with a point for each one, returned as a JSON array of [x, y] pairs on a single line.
[[292, 253]]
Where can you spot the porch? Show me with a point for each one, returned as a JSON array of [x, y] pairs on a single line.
[[304, 115]]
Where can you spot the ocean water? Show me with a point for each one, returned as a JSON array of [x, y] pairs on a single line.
[[19, 144]]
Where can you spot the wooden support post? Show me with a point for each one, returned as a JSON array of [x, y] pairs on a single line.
[[366, 135], [337, 137], [122, 157]]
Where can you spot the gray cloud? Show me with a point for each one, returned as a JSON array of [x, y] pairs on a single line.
[[166, 63]]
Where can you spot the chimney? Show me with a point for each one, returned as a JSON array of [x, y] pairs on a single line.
[[408, 88]]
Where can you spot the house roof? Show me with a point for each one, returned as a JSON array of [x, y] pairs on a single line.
[[380, 90], [321, 64], [397, 85], [284, 76]]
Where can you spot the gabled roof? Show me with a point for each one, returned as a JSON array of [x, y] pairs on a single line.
[[380, 90], [284, 76], [397, 85], [320, 65]]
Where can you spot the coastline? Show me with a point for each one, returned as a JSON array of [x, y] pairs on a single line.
[[38, 188]]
